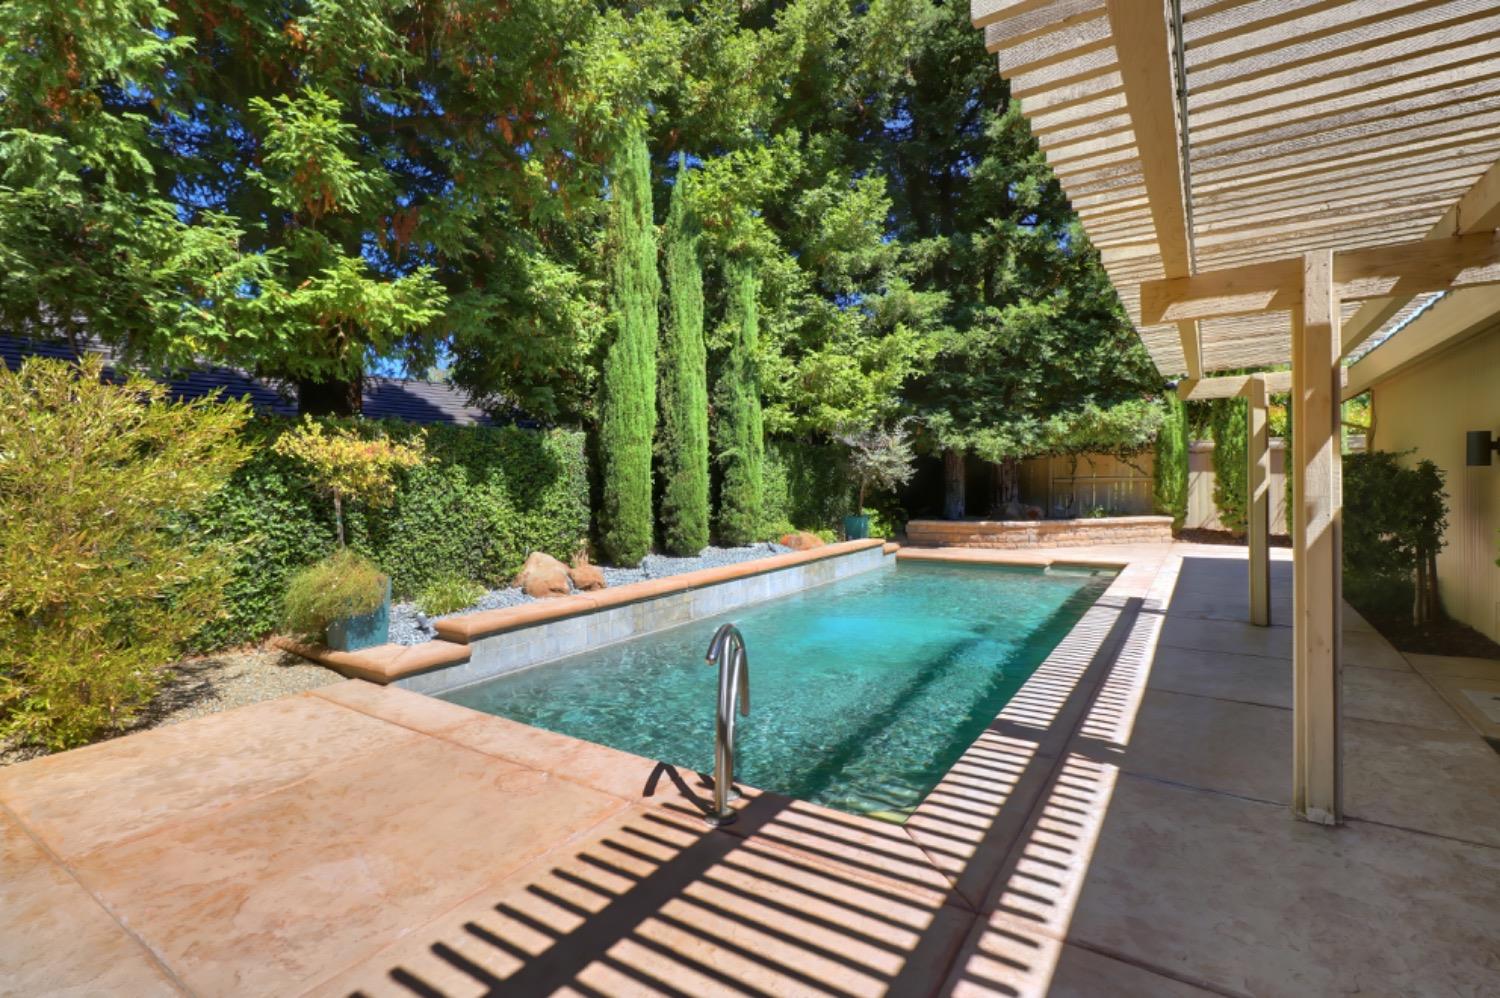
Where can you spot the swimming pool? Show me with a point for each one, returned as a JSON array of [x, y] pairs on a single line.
[[864, 692]]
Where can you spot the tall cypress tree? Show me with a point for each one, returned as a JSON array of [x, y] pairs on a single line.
[[1231, 434], [682, 440], [1172, 462], [742, 448], [627, 405]]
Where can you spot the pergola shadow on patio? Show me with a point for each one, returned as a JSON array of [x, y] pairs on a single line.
[[1121, 828]]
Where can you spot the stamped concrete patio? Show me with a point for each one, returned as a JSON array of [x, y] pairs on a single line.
[[1121, 828]]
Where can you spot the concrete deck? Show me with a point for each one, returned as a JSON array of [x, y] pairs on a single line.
[[1121, 828]]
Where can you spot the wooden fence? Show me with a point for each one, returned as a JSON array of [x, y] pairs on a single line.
[[1065, 486]]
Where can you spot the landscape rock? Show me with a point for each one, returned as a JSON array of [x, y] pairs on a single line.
[[586, 578], [801, 541], [543, 576]]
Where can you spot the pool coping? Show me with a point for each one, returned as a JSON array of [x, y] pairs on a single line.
[[468, 627]]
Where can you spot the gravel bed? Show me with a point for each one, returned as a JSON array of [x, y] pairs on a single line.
[[199, 686], [410, 626]]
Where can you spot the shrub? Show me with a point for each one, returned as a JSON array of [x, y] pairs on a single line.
[[1170, 485], [341, 585], [99, 587], [448, 594], [1231, 434], [484, 498], [807, 486], [344, 464], [1394, 519]]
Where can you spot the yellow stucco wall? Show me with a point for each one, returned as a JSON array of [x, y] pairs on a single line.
[[1429, 407]]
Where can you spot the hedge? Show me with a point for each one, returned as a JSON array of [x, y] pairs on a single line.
[[807, 486], [485, 498]]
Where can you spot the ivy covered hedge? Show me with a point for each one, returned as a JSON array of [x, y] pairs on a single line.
[[483, 499], [807, 487]]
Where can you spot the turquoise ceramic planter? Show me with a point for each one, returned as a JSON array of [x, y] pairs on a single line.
[[365, 631], [856, 528]]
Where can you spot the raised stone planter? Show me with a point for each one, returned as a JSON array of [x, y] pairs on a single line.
[[1016, 534]]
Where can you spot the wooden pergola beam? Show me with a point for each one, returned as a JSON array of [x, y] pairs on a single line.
[[1151, 103], [1258, 499], [1228, 386], [1317, 546], [1404, 269], [1446, 324], [1476, 211]]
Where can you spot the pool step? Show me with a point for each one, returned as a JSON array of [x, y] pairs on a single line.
[[381, 664]]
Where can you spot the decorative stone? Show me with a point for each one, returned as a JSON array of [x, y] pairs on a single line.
[[586, 578], [801, 541], [543, 576]]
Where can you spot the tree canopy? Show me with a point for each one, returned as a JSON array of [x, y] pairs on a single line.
[[314, 190]]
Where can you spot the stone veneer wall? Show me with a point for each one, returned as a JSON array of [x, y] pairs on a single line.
[[523, 647], [1012, 534]]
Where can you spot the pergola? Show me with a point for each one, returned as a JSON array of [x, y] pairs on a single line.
[[1270, 183]]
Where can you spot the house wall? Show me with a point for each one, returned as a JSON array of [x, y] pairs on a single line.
[[1429, 407]]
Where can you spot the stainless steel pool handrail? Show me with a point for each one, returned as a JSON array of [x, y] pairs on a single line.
[[727, 651]]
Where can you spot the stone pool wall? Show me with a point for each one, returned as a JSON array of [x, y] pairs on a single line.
[[1015, 534], [504, 641]]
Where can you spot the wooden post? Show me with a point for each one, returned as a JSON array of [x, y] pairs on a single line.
[[1258, 513], [1317, 547]]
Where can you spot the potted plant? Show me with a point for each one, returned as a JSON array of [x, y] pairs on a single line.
[[344, 597], [879, 458]]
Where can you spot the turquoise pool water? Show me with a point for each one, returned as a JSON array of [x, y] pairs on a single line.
[[863, 692]]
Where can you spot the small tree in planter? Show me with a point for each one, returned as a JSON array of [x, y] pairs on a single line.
[[879, 458], [345, 595]]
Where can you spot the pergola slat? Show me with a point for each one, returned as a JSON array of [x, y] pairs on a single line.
[[1385, 59], [1381, 29], [1034, 20], [1312, 124]]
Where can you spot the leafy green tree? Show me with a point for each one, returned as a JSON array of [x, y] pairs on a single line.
[[682, 435], [1170, 483], [1031, 327], [303, 188], [741, 444], [879, 458], [627, 405], [1230, 429], [346, 465]]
